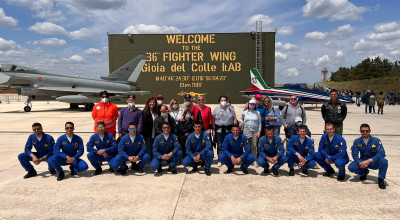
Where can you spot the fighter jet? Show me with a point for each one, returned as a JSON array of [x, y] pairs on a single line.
[[320, 94], [42, 86]]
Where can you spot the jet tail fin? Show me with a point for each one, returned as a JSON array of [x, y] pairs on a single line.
[[257, 80], [129, 72]]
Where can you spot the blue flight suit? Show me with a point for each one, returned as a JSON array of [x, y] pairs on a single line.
[[108, 143], [162, 146], [74, 149], [335, 151], [271, 149], [44, 147], [201, 145], [237, 148], [306, 150], [374, 149], [127, 149]]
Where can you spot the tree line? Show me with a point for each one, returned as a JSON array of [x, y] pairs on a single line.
[[367, 69]]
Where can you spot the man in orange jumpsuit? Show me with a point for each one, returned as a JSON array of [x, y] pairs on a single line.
[[107, 112]]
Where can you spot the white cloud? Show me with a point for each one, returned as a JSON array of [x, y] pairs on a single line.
[[8, 45], [316, 35], [291, 72], [7, 21], [286, 46], [267, 22], [33, 4], [50, 15], [331, 44], [347, 28], [334, 9], [81, 34], [322, 61], [395, 52], [385, 36], [280, 57], [93, 51], [387, 27], [285, 30], [339, 53], [47, 28], [52, 42], [102, 4], [150, 29], [74, 59], [364, 45]]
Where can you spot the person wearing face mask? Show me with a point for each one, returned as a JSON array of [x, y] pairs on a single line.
[[160, 101], [250, 121], [127, 115], [224, 117], [164, 117], [176, 112], [149, 114], [187, 102], [202, 113], [185, 128], [293, 130], [106, 112]]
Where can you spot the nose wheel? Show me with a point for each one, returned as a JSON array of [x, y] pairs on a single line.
[[28, 106]]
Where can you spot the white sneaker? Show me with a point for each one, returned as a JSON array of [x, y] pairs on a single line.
[[255, 164], [219, 164]]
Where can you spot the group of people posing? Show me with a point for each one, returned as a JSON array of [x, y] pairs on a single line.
[[171, 133]]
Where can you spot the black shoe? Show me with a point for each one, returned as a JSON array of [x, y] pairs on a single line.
[[119, 170], [266, 170], [61, 176], [329, 172], [52, 171], [244, 169], [208, 173], [194, 169], [135, 166], [381, 183], [291, 172], [340, 178], [111, 170], [230, 169], [123, 172], [203, 163], [73, 173], [172, 170], [31, 173], [305, 172], [274, 171], [159, 170], [97, 171], [364, 177], [140, 170]]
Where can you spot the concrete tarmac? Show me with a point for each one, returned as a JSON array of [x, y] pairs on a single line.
[[192, 195]]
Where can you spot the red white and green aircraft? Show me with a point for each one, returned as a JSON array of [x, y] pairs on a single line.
[[320, 94]]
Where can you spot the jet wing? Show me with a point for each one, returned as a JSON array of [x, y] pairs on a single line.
[[77, 90]]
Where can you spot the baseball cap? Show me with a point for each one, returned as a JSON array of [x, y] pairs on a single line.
[[258, 96], [160, 96], [252, 101], [298, 119], [187, 96], [164, 108]]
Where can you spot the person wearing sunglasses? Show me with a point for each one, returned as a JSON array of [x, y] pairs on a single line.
[[202, 113], [43, 144], [131, 148], [106, 112], [68, 151], [198, 149], [166, 148], [334, 111], [368, 153], [290, 112], [332, 150], [101, 147]]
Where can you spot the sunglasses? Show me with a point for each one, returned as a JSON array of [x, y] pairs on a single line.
[[104, 97], [200, 99], [100, 128], [132, 129], [364, 131], [36, 129], [165, 127], [293, 99], [69, 128]]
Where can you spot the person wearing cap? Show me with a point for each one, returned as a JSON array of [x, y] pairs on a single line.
[[250, 121], [131, 148], [334, 111], [198, 149], [101, 147], [202, 113], [166, 148], [300, 150], [129, 114], [332, 150], [271, 151], [260, 108], [187, 102], [293, 130], [368, 153], [160, 101], [290, 112], [224, 116], [164, 117], [106, 112], [236, 150]]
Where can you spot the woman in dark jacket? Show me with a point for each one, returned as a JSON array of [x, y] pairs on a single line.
[[185, 128], [150, 112]]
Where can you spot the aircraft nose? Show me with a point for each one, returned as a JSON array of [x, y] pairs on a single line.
[[4, 78]]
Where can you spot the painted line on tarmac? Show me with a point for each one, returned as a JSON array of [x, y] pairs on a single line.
[[180, 193]]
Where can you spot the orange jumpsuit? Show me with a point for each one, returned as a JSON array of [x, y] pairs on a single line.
[[108, 113]]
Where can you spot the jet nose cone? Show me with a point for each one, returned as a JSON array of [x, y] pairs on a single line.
[[4, 78]]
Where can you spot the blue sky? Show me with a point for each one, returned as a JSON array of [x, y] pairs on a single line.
[[69, 36]]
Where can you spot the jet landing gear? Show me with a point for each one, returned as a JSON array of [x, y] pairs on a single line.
[[89, 106], [28, 106], [73, 106]]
